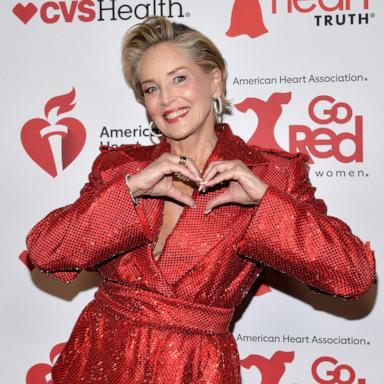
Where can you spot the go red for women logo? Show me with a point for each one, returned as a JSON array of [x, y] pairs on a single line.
[[54, 142], [41, 373], [247, 15], [323, 142], [333, 125], [327, 370], [272, 370]]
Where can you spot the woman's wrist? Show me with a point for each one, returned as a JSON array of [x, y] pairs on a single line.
[[131, 188]]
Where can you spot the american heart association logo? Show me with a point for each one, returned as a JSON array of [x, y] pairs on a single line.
[[24, 12], [54, 142]]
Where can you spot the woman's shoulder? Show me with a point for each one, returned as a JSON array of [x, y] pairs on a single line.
[[279, 155], [114, 156], [134, 151]]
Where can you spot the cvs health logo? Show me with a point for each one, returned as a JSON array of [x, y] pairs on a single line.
[[272, 370], [52, 12], [327, 370], [320, 141], [41, 373], [247, 15], [54, 141]]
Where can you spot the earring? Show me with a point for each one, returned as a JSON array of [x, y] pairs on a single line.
[[218, 107], [152, 127]]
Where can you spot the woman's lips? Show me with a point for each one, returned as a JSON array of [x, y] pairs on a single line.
[[174, 115]]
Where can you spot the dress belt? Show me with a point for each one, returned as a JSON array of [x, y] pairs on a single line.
[[142, 307]]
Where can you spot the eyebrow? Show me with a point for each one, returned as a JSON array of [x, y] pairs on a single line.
[[168, 74]]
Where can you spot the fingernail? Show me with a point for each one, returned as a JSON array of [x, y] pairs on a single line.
[[207, 212]]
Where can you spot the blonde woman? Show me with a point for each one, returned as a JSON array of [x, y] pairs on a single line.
[[180, 230]]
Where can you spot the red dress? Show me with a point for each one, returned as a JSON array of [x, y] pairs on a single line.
[[166, 321]]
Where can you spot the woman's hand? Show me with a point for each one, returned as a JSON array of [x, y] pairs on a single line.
[[244, 187], [156, 178]]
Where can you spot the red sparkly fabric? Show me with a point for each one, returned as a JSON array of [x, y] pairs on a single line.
[[166, 321]]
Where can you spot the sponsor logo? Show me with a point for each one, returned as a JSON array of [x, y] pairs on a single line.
[[322, 142], [268, 113], [247, 15], [247, 19], [41, 373], [86, 11], [54, 142], [327, 370], [272, 370]]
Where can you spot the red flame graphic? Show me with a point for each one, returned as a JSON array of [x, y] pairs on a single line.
[[63, 102]]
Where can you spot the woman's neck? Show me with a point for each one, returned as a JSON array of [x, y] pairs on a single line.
[[196, 147]]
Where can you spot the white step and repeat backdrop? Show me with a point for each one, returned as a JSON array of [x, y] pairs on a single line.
[[304, 75]]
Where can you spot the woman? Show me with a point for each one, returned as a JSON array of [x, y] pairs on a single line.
[[179, 230]]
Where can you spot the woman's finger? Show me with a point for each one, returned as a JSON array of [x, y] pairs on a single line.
[[190, 164], [220, 199], [215, 169], [182, 197], [220, 177], [173, 167], [210, 166]]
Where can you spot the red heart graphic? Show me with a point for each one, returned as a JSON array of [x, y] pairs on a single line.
[[39, 149], [24, 12]]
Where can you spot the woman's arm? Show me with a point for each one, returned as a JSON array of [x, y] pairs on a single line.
[[101, 223], [291, 232]]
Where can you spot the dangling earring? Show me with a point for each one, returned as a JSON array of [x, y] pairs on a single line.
[[152, 132], [218, 108]]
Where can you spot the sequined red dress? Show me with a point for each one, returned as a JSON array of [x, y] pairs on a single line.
[[166, 321]]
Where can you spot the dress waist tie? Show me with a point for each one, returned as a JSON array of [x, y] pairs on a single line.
[[142, 307]]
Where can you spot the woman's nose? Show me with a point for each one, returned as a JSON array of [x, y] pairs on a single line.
[[167, 96]]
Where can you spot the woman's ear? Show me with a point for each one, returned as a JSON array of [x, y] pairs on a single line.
[[216, 82]]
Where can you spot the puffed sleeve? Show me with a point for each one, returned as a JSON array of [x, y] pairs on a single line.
[[291, 232], [102, 223]]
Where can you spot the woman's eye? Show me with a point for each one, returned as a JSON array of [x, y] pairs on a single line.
[[179, 79], [149, 90]]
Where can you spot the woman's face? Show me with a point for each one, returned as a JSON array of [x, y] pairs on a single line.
[[177, 92]]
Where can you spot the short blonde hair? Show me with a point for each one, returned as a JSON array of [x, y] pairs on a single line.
[[157, 29]]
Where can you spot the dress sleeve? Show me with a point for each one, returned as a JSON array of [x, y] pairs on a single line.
[[290, 231], [100, 224]]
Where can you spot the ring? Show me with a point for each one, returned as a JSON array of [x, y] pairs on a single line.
[[179, 175], [182, 160]]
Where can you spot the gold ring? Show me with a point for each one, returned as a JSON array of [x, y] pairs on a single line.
[[182, 177]]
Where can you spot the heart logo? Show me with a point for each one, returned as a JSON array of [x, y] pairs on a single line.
[[25, 12], [53, 146]]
